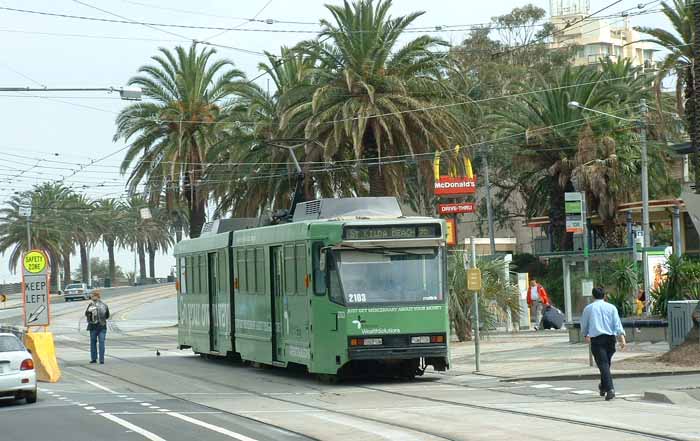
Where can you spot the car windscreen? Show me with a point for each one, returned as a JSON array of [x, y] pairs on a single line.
[[390, 275], [75, 286], [10, 343]]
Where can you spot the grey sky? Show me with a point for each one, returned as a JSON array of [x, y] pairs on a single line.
[[80, 127]]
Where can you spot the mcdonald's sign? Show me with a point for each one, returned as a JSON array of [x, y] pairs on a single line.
[[455, 183]]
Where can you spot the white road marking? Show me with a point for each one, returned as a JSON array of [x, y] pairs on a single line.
[[98, 411], [122, 396], [63, 398], [211, 427], [583, 392], [131, 399], [89, 408], [99, 386], [154, 407], [541, 386], [164, 410], [146, 404], [562, 388], [629, 396], [134, 428], [382, 430]]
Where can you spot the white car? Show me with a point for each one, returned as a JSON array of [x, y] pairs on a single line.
[[76, 291], [17, 374]]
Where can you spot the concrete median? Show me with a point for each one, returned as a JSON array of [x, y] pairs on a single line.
[[44, 354]]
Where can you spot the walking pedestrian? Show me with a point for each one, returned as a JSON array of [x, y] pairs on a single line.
[[537, 299], [97, 314], [601, 326]]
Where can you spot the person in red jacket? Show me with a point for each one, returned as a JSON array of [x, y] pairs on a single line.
[[537, 299]]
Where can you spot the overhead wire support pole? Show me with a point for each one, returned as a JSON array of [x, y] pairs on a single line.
[[489, 206], [645, 201]]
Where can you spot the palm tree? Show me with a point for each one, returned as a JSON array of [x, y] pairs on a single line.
[[544, 127], [110, 217], [679, 61], [171, 134], [48, 231], [369, 92], [144, 235]]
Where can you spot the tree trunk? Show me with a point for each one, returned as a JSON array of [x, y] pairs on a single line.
[[562, 241], [53, 264], [112, 264], [695, 127], [151, 260], [377, 184], [84, 262], [142, 261], [66, 268], [197, 216], [178, 233]]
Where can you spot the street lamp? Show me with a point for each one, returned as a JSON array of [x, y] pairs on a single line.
[[127, 93], [641, 123]]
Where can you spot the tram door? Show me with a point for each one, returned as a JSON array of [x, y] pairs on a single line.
[[213, 267], [277, 306]]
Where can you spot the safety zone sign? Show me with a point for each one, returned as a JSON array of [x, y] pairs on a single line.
[[35, 289]]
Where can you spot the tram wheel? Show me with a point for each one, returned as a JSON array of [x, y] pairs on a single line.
[[328, 378]]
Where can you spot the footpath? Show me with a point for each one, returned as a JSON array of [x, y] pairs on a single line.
[[548, 356]]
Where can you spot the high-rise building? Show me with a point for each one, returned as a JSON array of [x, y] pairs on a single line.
[[597, 38]]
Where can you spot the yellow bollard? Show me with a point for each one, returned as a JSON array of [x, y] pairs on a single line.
[[44, 354]]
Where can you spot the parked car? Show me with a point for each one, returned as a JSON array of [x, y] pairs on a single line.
[[17, 374], [76, 291]]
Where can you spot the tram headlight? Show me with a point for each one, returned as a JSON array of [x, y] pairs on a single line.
[[423, 339]]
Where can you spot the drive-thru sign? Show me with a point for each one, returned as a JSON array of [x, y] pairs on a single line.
[[35, 288]]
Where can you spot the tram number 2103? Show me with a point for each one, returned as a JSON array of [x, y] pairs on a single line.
[[357, 298]]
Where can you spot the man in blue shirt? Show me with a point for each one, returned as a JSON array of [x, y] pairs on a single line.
[[601, 326]]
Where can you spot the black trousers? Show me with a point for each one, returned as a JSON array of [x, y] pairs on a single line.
[[603, 348]]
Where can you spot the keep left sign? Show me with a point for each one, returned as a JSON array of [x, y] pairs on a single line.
[[35, 289]]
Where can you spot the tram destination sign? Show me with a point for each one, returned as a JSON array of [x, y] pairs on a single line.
[[387, 232]]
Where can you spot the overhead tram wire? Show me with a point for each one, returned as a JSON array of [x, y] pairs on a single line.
[[219, 34]]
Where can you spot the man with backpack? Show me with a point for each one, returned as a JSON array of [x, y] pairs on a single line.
[[97, 314]]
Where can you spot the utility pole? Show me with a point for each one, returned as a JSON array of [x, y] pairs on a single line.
[[489, 207], [25, 209], [475, 305], [693, 114], [645, 200]]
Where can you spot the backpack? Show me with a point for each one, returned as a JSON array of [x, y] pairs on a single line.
[[97, 314]]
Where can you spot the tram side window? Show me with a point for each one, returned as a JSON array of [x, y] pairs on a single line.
[[260, 270], [183, 275], [336, 290], [301, 268], [289, 270], [319, 276], [200, 274], [223, 270], [250, 270], [190, 274], [240, 269]]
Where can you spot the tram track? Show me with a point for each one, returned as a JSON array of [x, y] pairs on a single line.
[[414, 429], [255, 393], [629, 431]]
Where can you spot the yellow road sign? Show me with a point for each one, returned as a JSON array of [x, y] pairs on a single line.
[[474, 279], [3, 298], [35, 262]]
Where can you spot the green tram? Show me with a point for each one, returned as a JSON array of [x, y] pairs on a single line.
[[349, 286]]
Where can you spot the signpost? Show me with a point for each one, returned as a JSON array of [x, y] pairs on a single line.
[[35, 289], [573, 207], [474, 284]]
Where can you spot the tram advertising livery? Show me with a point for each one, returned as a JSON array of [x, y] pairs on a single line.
[[350, 286]]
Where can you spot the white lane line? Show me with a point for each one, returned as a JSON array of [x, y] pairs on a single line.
[[131, 399], [122, 396], [562, 388], [583, 392], [154, 407], [134, 428], [89, 408], [99, 386], [146, 404], [164, 410], [629, 396], [63, 398], [211, 427], [541, 386], [98, 411]]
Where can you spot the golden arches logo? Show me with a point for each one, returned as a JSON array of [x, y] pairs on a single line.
[[453, 171]]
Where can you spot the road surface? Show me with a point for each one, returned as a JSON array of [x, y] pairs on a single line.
[[174, 396]]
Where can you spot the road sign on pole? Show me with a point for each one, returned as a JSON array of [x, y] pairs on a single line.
[[573, 207], [35, 289]]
